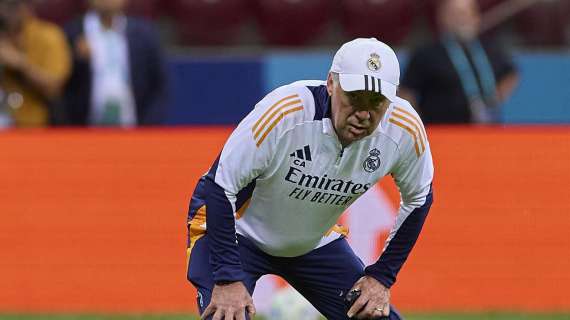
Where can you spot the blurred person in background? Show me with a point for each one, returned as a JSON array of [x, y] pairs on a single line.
[[460, 78], [118, 77], [34, 65]]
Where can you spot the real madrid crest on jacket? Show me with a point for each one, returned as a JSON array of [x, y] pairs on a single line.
[[373, 161]]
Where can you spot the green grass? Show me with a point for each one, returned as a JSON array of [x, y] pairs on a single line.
[[456, 316]]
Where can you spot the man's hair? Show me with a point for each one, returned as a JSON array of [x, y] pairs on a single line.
[[335, 77], [360, 97]]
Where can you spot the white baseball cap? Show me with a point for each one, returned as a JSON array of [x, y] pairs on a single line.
[[367, 64]]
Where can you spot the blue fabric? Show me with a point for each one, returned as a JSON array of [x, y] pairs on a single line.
[[199, 195], [323, 276], [198, 198], [224, 254], [221, 223], [393, 258], [245, 194], [322, 102], [147, 75]]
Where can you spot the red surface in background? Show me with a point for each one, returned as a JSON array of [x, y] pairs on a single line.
[[95, 221]]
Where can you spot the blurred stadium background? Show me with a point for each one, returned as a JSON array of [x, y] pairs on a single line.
[[93, 220]]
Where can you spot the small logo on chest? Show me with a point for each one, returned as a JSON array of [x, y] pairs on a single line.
[[301, 155], [372, 162]]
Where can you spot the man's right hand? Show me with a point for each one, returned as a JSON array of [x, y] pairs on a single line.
[[230, 301]]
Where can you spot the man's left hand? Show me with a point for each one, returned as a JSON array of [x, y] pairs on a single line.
[[374, 300]]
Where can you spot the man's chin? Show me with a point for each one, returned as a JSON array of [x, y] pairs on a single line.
[[350, 137]]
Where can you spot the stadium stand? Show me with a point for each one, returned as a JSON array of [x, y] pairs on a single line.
[[547, 23], [58, 11], [291, 22], [431, 7], [144, 8], [205, 22], [488, 4], [323, 22], [388, 20]]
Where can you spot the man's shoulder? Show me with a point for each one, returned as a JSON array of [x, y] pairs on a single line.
[[308, 83], [281, 110], [404, 125], [44, 29], [305, 88], [304, 95]]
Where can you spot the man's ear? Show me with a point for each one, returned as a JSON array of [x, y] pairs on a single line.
[[330, 84]]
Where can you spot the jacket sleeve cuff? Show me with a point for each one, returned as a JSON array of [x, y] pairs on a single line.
[[381, 273], [227, 274]]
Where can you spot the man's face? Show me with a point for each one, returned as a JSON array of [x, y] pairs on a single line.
[[460, 17], [356, 114]]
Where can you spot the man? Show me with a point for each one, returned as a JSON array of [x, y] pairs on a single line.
[[459, 78], [304, 154], [118, 77], [34, 64]]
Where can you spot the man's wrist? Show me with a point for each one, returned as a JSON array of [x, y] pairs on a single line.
[[377, 272], [229, 274]]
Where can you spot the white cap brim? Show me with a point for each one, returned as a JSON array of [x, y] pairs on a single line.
[[355, 82]]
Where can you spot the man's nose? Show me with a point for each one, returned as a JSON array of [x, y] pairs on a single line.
[[362, 115]]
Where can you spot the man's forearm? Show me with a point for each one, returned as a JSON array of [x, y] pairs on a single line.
[[392, 259], [220, 222]]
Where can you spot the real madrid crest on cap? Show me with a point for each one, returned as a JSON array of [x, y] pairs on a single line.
[[372, 162], [374, 62]]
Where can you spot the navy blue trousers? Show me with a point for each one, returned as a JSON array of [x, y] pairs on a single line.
[[323, 276]]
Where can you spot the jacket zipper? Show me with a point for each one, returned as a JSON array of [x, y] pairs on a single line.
[[339, 156]]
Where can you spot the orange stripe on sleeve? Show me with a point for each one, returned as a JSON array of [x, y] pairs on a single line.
[[414, 118], [273, 115], [410, 131], [275, 122], [418, 130], [270, 109]]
